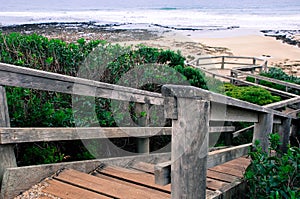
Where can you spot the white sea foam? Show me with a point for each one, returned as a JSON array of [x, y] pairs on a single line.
[[181, 14]]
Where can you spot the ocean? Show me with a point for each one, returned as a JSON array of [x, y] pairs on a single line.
[[185, 14]]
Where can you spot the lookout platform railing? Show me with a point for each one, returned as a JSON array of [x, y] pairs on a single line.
[[193, 111]]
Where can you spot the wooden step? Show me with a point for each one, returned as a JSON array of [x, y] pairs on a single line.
[[106, 186], [137, 181]]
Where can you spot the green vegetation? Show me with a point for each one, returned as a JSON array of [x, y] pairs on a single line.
[[274, 175], [252, 94], [277, 73], [95, 60]]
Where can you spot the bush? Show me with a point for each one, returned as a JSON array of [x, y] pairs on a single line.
[[276, 175], [267, 83], [277, 73], [252, 94], [34, 108]]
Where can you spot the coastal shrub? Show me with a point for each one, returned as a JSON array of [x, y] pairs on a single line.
[[267, 83], [38, 52], [34, 108], [274, 174], [252, 94], [279, 74]]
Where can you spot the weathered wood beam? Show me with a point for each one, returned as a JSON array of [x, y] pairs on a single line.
[[225, 101], [283, 83], [225, 155], [11, 75], [7, 155], [190, 135], [24, 135], [221, 129], [221, 112], [189, 149], [284, 132], [283, 103], [263, 129], [237, 133]]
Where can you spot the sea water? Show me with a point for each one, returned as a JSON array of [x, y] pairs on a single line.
[[195, 14]]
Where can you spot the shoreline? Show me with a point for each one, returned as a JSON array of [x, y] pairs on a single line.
[[191, 43]]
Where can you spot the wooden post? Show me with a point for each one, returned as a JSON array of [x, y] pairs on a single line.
[[262, 129], [265, 66], [190, 132], [295, 138], [7, 156], [254, 61], [284, 132], [223, 62], [190, 149], [228, 138], [142, 111]]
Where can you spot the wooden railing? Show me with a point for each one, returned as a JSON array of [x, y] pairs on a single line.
[[191, 110], [248, 63], [248, 69]]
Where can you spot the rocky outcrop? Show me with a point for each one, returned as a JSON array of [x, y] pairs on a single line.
[[291, 37]]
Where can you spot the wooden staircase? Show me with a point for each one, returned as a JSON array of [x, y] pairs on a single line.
[[136, 181]]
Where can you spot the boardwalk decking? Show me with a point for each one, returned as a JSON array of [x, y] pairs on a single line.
[[137, 181]]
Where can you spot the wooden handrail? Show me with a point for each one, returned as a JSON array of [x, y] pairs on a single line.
[[190, 109], [27, 135], [11, 75], [283, 83]]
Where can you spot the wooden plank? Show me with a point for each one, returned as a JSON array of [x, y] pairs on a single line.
[[224, 155], [135, 186], [24, 135], [68, 191], [235, 167], [209, 63], [221, 129], [221, 176], [214, 184], [101, 185], [237, 133], [136, 177], [14, 178], [242, 161], [228, 170], [11, 75], [221, 112], [7, 156], [21, 135], [236, 189], [143, 166], [283, 103]]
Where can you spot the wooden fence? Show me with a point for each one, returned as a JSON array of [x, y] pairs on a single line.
[[192, 111]]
